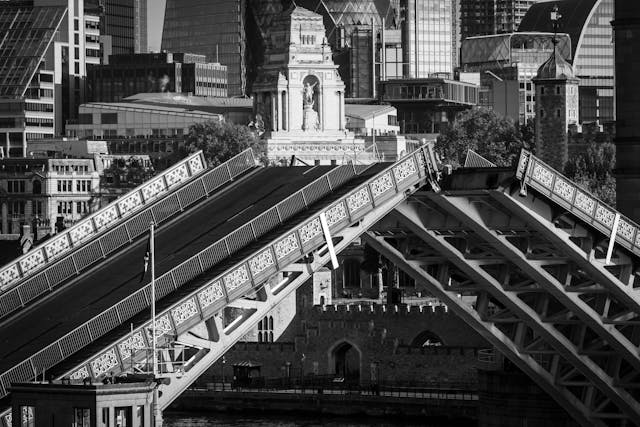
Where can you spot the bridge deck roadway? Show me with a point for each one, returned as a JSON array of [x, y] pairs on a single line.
[[112, 281]]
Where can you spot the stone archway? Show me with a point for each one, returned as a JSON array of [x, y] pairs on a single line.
[[345, 361], [426, 339]]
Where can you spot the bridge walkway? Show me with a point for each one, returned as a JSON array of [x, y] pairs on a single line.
[[72, 252], [176, 242]]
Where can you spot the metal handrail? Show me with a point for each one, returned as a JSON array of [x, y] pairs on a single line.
[[391, 180], [111, 239], [141, 297], [534, 172], [67, 240]]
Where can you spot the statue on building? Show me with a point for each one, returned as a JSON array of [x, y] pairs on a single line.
[[308, 93], [310, 116]]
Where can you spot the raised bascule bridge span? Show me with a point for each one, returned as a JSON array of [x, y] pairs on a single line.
[[552, 271]]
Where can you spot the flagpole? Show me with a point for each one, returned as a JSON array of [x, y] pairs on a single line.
[[153, 299]]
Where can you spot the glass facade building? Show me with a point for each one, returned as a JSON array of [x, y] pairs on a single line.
[[428, 37], [588, 22], [486, 17], [215, 28], [27, 74]]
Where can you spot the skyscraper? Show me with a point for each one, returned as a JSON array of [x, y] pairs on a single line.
[[27, 74], [486, 17], [428, 37], [212, 28]]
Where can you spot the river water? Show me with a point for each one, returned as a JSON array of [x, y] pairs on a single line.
[[237, 420]]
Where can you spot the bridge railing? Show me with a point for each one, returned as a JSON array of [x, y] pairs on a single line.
[[118, 224], [180, 275], [103, 219], [560, 189], [234, 282], [253, 270]]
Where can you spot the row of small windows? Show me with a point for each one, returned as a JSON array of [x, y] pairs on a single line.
[[66, 185], [67, 207], [70, 168]]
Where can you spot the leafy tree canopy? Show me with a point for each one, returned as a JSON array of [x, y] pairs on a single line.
[[494, 137], [592, 169], [220, 141]]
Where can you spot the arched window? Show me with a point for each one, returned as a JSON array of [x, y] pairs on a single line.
[[271, 323]]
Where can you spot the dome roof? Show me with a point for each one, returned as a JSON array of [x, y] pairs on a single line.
[[556, 67]]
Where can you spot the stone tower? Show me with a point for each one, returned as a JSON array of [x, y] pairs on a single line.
[[556, 109], [299, 95], [627, 57]]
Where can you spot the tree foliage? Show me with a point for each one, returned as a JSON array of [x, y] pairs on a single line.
[[592, 169], [494, 137], [220, 141]]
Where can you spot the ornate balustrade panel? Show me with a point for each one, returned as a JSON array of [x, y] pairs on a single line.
[[552, 184], [231, 284], [103, 219], [114, 226]]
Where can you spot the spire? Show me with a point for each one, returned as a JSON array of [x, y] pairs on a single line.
[[556, 67]]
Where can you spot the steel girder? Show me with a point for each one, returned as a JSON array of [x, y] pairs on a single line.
[[585, 352], [494, 327], [216, 339]]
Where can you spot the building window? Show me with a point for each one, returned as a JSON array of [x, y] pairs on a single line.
[[15, 186], [106, 420], [265, 329], [37, 187], [65, 207], [557, 90], [81, 417], [123, 417], [27, 416], [65, 185], [16, 207], [541, 113], [542, 90]]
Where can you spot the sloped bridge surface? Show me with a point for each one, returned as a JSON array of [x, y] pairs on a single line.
[[207, 257], [551, 272]]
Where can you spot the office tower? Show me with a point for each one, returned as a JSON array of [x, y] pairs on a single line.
[[156, 72], [140, 35], [428, 37], [212, 28], [485, 17], [29, 74], [588, 23]]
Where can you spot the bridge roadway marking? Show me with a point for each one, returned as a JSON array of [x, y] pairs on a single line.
[[177, 241]]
